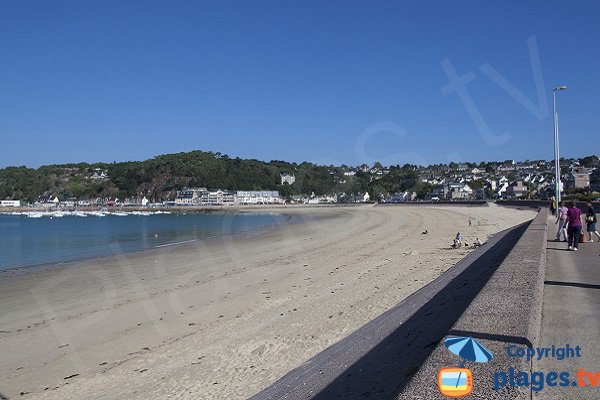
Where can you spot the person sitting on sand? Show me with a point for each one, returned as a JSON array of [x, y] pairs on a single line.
[[457, 241], [477, 243]]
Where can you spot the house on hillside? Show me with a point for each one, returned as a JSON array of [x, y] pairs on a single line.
[[517, 190], [461, 191], [287, 179], [99, 175], [579, 178]]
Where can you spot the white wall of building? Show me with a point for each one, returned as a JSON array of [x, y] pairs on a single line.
[[10, 203]]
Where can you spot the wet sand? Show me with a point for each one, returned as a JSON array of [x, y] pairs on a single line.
[[226, 317]]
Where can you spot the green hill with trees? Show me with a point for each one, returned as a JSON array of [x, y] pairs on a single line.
[[161, 177]]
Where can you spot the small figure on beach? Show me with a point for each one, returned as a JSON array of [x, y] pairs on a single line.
[[470, 222], [590, 220], [553, 205], [574, 229], [561, 220], [457, 241], [478, 243]]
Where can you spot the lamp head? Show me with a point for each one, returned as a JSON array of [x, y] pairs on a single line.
[[560, 88]]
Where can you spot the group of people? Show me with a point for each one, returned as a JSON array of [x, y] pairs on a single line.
[[459, 242], [570, 224]]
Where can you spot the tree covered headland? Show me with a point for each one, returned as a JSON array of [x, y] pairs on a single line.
[[161, 177]]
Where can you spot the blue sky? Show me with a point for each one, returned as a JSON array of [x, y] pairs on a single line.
[[330, 82]]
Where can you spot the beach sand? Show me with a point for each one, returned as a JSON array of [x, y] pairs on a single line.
[[226, 317]]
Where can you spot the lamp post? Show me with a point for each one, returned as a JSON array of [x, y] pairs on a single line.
[[556, 147]]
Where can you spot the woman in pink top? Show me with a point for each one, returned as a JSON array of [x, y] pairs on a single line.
[[574, 221], [562, 221]]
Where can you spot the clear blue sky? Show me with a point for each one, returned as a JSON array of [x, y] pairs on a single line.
[[322, 81]]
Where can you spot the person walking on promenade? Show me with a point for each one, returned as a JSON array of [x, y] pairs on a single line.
[[561, 220], [590, 219], [574, 229], [553, 205]]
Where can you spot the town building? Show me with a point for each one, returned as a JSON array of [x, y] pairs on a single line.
[[99, 175], [517, 190], [219, 198], [70, 202], [402, 197], [50, 201], [287, 179], [252, 197], [579, 178], [191, 197], [10, 203], [461, 191]]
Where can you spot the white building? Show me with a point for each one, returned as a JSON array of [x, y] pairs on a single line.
[[51, 201], [404, 196], [214, 198], [325, 199], [70, 202], [99, 175], [10, 203], [461, 192], [257, 197], [288, 179], [191, 197]]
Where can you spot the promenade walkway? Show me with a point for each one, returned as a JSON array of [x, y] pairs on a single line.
[[571, 314]]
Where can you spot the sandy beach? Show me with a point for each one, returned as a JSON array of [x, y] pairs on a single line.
[[226, 317]]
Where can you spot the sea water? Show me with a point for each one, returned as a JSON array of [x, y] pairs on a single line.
[[35, 241]]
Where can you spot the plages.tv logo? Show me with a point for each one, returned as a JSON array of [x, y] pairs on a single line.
[[458, 382]]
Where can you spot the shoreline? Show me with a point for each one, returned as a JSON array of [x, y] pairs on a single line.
[[7, 273], [225, 209], [223, 318]]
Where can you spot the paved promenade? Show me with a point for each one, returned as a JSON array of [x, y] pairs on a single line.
[[571, 314]]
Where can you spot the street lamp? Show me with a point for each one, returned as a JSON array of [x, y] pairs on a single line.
[[556, 150]]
